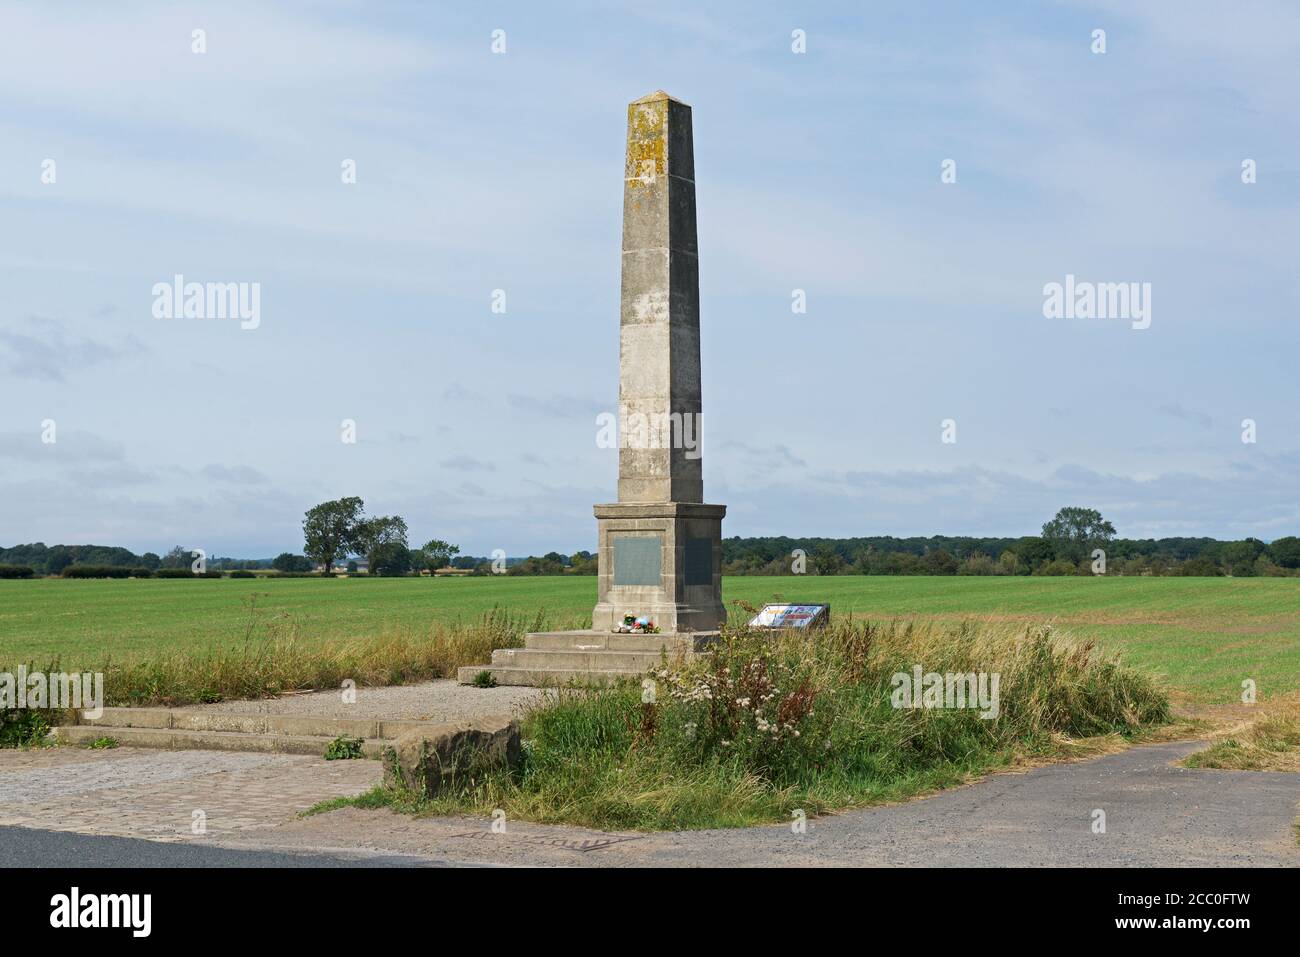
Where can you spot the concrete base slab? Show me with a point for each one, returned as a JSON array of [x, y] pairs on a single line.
[[204, 729], [557, 658], [660, 560]]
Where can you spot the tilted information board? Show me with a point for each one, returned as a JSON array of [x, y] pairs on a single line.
[[792, 616]]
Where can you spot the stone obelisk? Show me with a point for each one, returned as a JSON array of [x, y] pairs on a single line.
[[660, 546]]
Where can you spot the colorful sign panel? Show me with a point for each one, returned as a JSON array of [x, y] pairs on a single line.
[[791, 616]]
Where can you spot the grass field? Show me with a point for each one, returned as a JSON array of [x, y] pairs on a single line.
[[1204, 635]]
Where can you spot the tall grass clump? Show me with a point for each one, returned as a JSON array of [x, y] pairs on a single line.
[[765, 725]]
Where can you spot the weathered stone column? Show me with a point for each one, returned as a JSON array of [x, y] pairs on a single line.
[[659, 355], [660, 550]]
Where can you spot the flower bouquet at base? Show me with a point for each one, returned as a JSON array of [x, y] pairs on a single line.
[[637, 625]]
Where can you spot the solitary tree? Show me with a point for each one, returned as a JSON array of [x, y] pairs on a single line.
[[330, 530], [438, 553], [1075, 532]]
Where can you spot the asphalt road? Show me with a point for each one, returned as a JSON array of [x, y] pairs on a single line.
[[36, 848]]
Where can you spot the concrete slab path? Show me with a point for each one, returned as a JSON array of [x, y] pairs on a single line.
[[438, 701]]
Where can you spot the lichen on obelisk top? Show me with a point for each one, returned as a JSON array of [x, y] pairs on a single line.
[[658, 95], [659, 361]]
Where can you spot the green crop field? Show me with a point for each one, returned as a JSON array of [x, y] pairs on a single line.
[[1205, 635]]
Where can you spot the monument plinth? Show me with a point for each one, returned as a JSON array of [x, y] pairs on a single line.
[[660, 545]]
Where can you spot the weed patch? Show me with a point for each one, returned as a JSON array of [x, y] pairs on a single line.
[[343, 748]]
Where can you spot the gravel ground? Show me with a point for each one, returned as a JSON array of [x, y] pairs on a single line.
[[442, 700]]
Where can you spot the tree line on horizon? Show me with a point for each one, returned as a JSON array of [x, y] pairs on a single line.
[[339, 533], [1077, 541]]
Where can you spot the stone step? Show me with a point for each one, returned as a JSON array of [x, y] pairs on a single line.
[[613, 641], [555, 658], [194, 719], [544, 677], [636, 662], [172, 739]]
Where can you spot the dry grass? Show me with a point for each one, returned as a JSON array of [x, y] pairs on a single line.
[[1271, 742], [285, 662]]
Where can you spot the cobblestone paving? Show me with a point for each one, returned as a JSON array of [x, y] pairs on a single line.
[[134, 792]]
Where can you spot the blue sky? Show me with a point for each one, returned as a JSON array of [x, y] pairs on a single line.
[[479, 171]]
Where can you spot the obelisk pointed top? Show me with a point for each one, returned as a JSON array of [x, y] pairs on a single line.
[[656, 96]]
